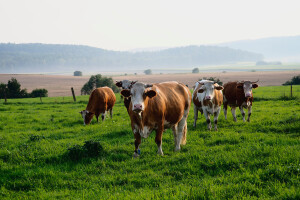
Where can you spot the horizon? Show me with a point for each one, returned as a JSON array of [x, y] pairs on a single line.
[[134, 24]]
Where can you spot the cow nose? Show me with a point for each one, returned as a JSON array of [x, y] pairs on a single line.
[[137, 107], [207, 97], [248, 94]]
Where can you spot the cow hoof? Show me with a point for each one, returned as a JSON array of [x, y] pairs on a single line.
[[235, 120], [216, 129], [160, 153], [135, 155], [177, 149]]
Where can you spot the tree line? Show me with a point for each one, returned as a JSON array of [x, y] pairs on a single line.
[[40, 57]]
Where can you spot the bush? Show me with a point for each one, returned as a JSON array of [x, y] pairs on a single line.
[[294, 81], [148, 71], [215, 79], [98, 81], [39, 93], [77, 73], [195, 70]]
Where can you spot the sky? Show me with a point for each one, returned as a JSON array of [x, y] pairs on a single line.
[[134, 24]]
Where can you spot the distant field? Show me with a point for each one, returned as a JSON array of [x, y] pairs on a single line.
[[59, 85], [256, 160]]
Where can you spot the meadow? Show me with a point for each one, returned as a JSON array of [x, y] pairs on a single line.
[[42, 156]]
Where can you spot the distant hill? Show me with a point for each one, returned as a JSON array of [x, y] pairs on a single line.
[[39, 58], [275, 48]]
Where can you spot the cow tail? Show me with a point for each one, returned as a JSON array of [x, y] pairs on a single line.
[[184, 132]]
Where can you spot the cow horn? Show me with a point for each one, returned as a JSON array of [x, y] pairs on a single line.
[[148, 85], [255, 81]]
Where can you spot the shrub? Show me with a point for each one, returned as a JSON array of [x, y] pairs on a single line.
[[148, 71], [77, 73], [98, 81], [294, 81], [39, 93], [195, 70]]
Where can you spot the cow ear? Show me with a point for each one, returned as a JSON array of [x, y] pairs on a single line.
[[254, 85], [125, 93], [150, 93], [119, 83], [219, 87], [200, 90], [239, 86]]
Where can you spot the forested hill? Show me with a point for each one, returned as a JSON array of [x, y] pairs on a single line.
[[36, 58]]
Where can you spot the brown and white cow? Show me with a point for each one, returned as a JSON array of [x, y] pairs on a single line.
[[208, 99], [239, 94], [125, 84], [101, 100], [157, 107]]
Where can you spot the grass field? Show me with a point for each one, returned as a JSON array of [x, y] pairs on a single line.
[[42, 157]]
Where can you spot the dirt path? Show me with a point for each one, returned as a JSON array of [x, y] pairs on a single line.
[[60, 85]]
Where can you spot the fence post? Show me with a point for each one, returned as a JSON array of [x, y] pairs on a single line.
[[73, 93], [291, 91]]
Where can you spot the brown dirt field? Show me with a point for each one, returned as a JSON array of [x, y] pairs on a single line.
[[60, 85]]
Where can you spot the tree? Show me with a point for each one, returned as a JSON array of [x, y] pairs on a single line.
[[39, 93], [13, 88], [3, 91], [195, 70], [98, 81], [77, 73], [294, 81], [148, 71]]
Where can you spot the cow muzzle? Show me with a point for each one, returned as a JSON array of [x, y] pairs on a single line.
[[248, 94], [207, 97], [137, 108]]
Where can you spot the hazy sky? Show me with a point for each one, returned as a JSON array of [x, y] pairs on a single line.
[[130, 24]]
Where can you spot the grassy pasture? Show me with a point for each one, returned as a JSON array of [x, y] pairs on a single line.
[[256, 160]]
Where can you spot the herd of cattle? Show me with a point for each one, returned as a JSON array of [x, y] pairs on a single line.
[[166, 105]]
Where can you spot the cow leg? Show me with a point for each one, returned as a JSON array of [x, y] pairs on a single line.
[[216, 116], [225, 110], [97, 116], [249, 113], [158, 139], [111, 112], [137, 143], [243, 112], [207, 117], [175, 133], [103, 116], [195, 115], [233, 113]]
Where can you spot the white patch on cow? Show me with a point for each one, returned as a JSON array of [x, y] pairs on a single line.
[[246, 104], [145, 132]]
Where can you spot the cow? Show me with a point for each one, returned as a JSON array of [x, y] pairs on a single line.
[[101, 100], [208, 99], [125, 84], [239, 94], [157, 107]]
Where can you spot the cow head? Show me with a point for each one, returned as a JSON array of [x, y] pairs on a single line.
[[208, 88], [125, 84], [138, 93], [87, 116], [247, 86]]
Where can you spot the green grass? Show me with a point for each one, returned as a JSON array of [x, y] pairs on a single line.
[[256, 160]]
